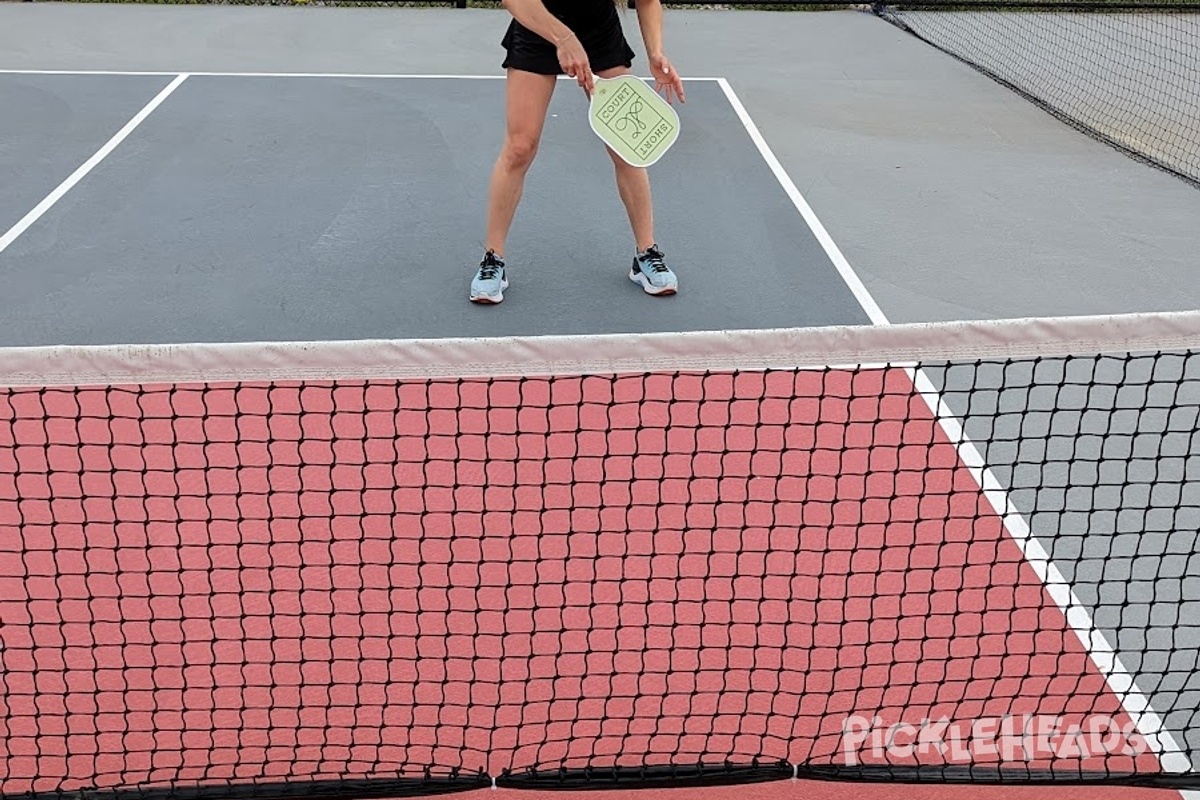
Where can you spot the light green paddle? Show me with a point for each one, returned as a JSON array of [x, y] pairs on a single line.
[[631, 118]]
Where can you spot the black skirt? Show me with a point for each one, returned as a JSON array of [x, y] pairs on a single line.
[[596, 23]]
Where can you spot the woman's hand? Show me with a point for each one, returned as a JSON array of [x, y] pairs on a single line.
[[666, 79], [574, 61]]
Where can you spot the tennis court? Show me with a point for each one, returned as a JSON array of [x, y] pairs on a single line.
[[282, 514]]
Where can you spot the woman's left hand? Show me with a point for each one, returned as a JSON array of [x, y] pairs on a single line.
[[667, 80]]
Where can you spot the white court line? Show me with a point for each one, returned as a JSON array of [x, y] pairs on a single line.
[[120, 73], [87, 166], [831, 249], [199, 74], [339, 75], [1120, 682]]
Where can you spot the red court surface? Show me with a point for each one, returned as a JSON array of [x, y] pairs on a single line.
[[239, 583]]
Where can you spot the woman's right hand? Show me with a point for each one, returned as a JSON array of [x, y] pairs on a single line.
[[574, 61]]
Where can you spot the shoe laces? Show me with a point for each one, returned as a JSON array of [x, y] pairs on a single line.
[[653, 258], [490, 268]]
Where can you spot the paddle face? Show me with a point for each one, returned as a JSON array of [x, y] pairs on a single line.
[[633, 119]]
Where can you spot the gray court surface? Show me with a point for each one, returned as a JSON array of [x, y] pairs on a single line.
[[47, 134], [267, 208], [292, 206], [951, 197]]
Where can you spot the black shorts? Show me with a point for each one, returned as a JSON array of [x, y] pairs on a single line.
[[601, 36]]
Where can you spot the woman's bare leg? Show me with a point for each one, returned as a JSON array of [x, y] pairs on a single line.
[[528, 98], [633, 184]]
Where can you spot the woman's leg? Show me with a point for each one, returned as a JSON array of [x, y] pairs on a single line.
[[649, 268], [633, 184], [528, 98]]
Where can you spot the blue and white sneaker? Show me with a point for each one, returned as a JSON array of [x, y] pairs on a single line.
[[489, 282], [651, 271]]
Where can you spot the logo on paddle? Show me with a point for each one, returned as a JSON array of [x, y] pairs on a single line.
[[635, 122]]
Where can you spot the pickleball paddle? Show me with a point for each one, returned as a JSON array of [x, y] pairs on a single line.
[[634, 120]]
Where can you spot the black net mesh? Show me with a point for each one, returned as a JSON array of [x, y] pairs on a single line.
[[387, 587], [1124, 73]]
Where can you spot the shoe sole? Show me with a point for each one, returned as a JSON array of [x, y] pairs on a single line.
[[649, 288], [489, 299]]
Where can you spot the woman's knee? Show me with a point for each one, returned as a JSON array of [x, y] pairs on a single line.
[[519, 151]]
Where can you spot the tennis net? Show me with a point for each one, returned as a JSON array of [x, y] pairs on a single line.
[[1122, 71], [952, 552]]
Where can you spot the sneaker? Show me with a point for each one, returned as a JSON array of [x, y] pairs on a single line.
[[490, 281], [652, 273]]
